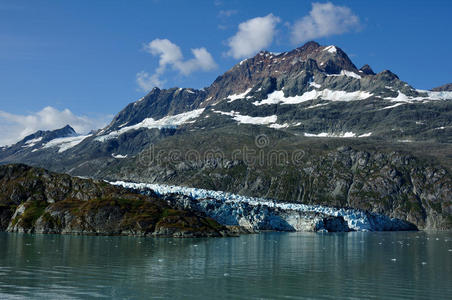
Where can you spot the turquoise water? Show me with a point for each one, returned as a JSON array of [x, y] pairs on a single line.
[[413, 265]]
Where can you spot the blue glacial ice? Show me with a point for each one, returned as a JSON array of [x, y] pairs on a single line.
[[265, 214]]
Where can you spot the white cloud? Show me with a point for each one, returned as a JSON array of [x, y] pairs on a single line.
[[148, 82], [14, 127], [324, 19], [253, 36], [202, 61], [170, 55]]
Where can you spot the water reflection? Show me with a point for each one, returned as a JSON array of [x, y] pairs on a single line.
[[264, 266]]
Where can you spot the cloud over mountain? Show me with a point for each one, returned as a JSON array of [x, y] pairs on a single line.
[[324, 19], [253, 35], [15, 127], [170, 56]]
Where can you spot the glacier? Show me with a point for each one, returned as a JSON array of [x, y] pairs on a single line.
[[264, 214]]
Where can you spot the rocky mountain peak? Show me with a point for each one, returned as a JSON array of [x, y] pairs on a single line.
[[309, 46], [366, 69], [444, 88], [65, 131], [387, 75], [48, 135], [311, 57], [157, 104], [36, 140]]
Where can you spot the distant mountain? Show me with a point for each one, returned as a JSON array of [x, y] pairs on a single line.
[[37, 140], [311, 99], [446, 87]]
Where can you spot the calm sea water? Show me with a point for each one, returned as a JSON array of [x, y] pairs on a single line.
[[414, 265]]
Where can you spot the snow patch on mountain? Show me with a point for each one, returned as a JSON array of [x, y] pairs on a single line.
[[442, 95], [238, 96], [346, 73], [149, 123], [316, 105], [138, 101], [248, 119], [277, 97], [65, 143], [392, 106], [347, 134], [316, 85], [330, 49], [365, 134], [32, 142], [435, 96], [278, 126]]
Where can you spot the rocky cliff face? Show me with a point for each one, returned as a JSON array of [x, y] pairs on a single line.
[[393, 183], [444, 88], [35, 200]]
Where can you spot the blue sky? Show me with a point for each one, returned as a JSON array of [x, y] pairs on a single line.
[[84, 56]]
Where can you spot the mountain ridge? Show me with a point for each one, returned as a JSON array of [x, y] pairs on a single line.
[[312, 97]]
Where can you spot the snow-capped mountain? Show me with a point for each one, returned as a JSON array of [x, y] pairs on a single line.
[[312, 100], [313, 91], [40, 140]]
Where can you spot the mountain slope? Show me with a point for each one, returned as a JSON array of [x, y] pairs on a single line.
[[312, 99], [35, 200], [443, 88]]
